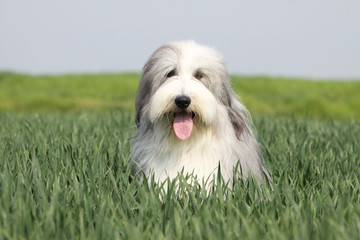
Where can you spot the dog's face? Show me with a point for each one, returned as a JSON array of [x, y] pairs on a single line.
[[184, 85]]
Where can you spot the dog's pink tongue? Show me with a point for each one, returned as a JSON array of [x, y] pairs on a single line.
[[183, 125]]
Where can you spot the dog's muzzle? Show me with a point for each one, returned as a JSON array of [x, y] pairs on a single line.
[[183, 120]]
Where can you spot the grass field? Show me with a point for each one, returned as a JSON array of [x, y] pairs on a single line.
[[264, 95], [64, 171], [65, 176]]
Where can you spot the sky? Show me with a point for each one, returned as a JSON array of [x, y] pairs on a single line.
[[293, 38]]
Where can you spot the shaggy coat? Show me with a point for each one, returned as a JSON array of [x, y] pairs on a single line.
[[189, 119]]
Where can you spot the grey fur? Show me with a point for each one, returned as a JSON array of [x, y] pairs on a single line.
[[217, 81]]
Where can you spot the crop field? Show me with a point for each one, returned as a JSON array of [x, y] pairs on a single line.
[[65, 146]]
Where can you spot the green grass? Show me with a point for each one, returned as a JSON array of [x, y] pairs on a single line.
[[65, 153], [65, 176], [103, 92], [64, 93]]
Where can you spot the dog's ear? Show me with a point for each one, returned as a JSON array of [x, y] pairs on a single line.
[[142, 98], [236, 111], [238, 121], [144, 92]]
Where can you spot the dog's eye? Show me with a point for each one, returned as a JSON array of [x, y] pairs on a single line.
[[171, 74], [198, 75]]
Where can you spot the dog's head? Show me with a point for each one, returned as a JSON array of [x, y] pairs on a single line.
[[184, 84]]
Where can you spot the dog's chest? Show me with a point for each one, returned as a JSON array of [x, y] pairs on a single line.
[[201, 159]]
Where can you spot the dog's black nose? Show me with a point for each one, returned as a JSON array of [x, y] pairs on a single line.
[[182, 101]]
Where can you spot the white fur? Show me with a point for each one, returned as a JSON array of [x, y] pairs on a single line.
[[215, 138]]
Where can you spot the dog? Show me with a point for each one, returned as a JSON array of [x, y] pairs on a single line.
[[189, 119]]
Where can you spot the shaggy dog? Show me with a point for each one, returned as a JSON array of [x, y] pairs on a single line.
[[189, 119]]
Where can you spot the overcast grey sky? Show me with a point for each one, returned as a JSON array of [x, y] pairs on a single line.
[[307, 38]]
